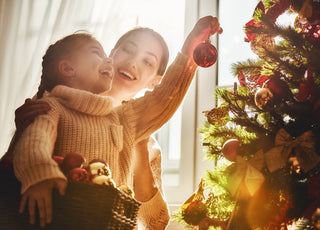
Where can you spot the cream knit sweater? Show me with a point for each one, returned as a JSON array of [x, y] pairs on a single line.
[[80, 121]]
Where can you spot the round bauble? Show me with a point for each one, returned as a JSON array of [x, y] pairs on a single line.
[[78, 175], [230, 149], [279, 88], [205, 54], [263, 97], [58, 159], [71, 161], [194, 212]]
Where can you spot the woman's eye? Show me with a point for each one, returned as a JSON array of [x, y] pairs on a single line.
[[127, 50]]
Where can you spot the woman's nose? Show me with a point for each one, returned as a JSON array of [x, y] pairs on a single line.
[[132, 63]]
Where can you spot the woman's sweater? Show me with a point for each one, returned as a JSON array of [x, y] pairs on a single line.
[[80, 121]]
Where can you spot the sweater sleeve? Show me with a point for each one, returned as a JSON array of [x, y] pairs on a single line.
[[145, 115], [150, 217], [153, 214], [32, 159]]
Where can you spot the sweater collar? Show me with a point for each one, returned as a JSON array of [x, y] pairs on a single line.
[[83, 101]]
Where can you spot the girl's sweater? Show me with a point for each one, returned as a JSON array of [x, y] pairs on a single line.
[[82, 122]]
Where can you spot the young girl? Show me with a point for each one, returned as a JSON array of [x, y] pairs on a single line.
[[123, 127], [139, 47]]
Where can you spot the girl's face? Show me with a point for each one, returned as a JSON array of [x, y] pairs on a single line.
[[93, 69], [136, 62]]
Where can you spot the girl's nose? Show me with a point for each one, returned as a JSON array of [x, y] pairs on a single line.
[[108, 60]]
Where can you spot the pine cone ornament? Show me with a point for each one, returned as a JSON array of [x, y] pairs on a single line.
[[216, 115]]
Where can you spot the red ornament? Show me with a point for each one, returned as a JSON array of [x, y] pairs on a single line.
[[205, 54], [71, 161], [59, 160], [230, 149], [78, 175]]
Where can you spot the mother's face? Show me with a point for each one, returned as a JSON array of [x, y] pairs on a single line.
[[136, 63]]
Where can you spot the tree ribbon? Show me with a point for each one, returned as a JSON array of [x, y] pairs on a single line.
[[303, 146], [247, 175]]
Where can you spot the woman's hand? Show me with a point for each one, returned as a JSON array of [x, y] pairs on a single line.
[[40, 195], [26, 113], [203, 29]]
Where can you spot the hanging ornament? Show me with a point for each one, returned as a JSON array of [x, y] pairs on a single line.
[[273, 92], [278, 8], [216, 115], [207, 222], [263, 98], [230, 149], [310, 26], [205, 54], [242, 79], [194, 212], [279, 88], [302, 7], [262, 43]]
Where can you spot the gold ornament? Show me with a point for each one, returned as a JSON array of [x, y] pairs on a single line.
[[216, 115], [262, 97], [262, 43], [303, 145]]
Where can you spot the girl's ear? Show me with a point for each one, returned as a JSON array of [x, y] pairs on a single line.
[[154, 81], [66, 68]]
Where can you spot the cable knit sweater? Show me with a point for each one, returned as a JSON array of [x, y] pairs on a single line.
[[80, 121]]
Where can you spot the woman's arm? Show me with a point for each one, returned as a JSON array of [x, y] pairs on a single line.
[[24, 116], [147, 114]]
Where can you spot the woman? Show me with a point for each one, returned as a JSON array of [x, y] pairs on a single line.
[[139, 62]]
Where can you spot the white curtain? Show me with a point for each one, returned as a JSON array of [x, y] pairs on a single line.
[[27, 27]]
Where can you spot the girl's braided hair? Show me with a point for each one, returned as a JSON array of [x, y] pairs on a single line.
[[60, 49]]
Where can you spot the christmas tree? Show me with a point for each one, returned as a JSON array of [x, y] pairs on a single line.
[[264, 135]]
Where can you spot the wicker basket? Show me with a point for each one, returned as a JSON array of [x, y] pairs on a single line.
[[83, 207], [92, 206]]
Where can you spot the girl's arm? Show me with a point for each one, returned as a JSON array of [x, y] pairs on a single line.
[[153, 212], [35, 168]]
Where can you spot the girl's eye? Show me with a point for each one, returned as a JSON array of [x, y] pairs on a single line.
[[147, 63], [99, 53]]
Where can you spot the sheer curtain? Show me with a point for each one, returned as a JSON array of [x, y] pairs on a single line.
[[27, 27]]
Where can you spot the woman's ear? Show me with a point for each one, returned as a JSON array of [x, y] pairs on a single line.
[[66, 68], [154, 81]]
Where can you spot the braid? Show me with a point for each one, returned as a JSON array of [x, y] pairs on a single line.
[[41, 88], [50, 75]]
